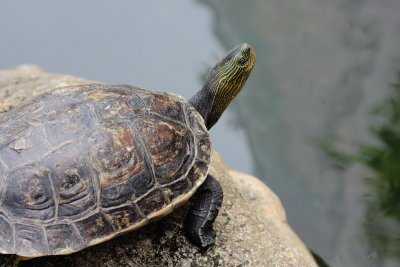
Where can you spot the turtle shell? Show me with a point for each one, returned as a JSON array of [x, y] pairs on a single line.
[[82, 164]]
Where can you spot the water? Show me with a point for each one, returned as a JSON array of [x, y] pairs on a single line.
[[321, 66]]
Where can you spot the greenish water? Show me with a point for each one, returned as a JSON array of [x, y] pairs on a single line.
[[322, 66]]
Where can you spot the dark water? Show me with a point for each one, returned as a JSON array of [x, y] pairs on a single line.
[[321, 67]]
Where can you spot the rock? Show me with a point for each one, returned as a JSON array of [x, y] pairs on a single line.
[[251, 227], [268, 207]]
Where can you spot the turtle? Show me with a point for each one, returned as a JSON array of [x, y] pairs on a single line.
[[82, 164]]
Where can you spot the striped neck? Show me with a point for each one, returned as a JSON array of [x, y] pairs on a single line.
[[224, 83]]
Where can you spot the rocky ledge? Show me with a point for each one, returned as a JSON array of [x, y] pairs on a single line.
[[251, 227]]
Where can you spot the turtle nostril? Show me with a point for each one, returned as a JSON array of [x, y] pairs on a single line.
[[245, 47]]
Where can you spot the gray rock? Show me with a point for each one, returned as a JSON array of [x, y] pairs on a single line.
[[251, 227]]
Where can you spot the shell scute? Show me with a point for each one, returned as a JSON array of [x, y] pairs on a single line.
[[198, 171], [12, 128], [73, 181], [118, 107], [151, 202], [28, 194], [169, 145], [30, 240], [178, 188], [123, 175], [94, 227], [24, 110], [68, 123], [123, 217], [6, 235], [203, 148], [26, 145], [62, 237], [163, 105]]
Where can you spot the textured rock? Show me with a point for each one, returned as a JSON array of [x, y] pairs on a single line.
[[251, 228]]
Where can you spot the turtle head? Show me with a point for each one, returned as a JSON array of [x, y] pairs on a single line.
[[223, 83]]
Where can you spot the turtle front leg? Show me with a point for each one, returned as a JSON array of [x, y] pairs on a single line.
[[206, 203]]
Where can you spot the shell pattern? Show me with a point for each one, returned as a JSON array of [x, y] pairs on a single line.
[[82, 164]]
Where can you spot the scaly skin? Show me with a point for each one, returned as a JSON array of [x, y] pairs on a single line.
[[224, 83]]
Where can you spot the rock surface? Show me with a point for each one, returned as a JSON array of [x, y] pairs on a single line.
[[251, 227]]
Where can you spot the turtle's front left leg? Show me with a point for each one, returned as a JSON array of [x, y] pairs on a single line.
[[206, 203]]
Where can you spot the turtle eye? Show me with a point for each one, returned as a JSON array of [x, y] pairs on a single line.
[[242, 61]]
